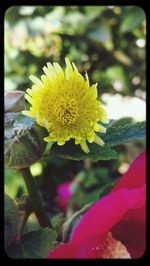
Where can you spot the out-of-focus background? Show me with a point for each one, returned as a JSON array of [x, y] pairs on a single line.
[[106, 41]]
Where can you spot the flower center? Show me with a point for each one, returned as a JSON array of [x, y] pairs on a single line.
[[112, 249], [66, 111]]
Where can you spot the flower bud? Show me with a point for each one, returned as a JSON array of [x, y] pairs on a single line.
[[24, 143]]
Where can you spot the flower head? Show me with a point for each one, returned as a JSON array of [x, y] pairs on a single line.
[[114, 227], [66, 105]]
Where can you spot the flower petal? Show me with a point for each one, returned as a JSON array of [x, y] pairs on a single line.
[[63, 251], [107, 212], [35, 80], [122, 212], [98, 140], [84, 146], [136, 175], [131, 231], [28, 113]]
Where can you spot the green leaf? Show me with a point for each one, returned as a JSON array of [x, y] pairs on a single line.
[[11, 220], [57, 221], [14, 186], [117, 135], [74, 152], [121, 122], [82, 197], [132, 19], [24, 142], [35, 244]]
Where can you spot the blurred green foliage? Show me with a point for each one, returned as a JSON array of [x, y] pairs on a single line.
[[14, 185], [106, 41]]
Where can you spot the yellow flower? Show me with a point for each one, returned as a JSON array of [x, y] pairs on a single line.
[[66, 105]]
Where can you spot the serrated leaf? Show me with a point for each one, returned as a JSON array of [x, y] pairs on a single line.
[[121, 122], [14, 251], [24, 142], [11, 220], [117, 135], [57, 221], [74, 152], [34, 245]]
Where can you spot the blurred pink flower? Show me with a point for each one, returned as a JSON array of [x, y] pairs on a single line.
[[114, 227], [64, 193]]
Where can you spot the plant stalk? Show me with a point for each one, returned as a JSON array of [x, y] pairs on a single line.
[[36, 198]]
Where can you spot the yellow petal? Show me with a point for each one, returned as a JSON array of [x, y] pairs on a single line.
[[29, 91], [77, 141], [87, 79], [98, 140], [28, 113], [58, 68], [51, 70], [91, 138], [39, 121], [104, 120], [103, 115], [60, 73], [94, 90], [46, 71], [74, 67], [47, 139], [44, 79], [28, 98], [35, 88], [68, 70], [36, 80], [99, 128], [84, 146], [61, 142]]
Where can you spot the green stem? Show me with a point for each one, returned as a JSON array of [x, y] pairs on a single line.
[[36, 198], [25, 218]]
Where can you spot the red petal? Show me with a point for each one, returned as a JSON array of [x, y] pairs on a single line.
[[63, 251], [122, 211], [131, 231], [136, 175], [88, 249], [107, 212], [91, 247]]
